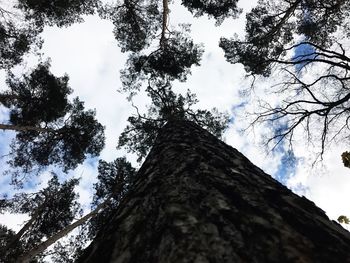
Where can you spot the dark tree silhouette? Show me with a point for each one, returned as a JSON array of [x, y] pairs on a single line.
[[304, 42], [57, 12], [53, 209], [37, 97], [16, 38], [139, 24], [218, 10], [136, 22], [172, 60], [21, 22], [50, 210], [114, 180], [49, 129], [6, 235]]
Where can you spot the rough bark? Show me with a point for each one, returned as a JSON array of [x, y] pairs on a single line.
[[164, 22], [199, 200]]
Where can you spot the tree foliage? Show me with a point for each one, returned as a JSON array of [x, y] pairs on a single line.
[[114, 181], [57, 12], [36, 97], [65, 142], [302, 42], [135, 22], [219, 10], [295, 37], [346, 159], [343, 219], [21, 24], [171, 61], [16, 39], [141, 132], [6, 235], [49, 128], [50, 210]]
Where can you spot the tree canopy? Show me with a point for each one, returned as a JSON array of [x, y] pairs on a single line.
[[50, 210], [49, 128], [305, 43], [57, 12], [139, 135]]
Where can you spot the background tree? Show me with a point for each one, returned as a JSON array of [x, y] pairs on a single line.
[[49, 128], [6, 235], [57, 12], [16, 38], [114, 180], [22, 21], [50, 210], [37, 97], [53, 219], [304, 42], [218, 10], [135, 22]]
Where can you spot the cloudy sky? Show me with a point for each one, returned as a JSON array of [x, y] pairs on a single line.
[[89, 54]]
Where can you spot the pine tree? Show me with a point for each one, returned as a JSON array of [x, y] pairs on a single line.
[[196, 199], [49, 128]]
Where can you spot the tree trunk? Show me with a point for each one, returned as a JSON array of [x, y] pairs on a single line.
[[196, 199], [27, 257], [25, 128]]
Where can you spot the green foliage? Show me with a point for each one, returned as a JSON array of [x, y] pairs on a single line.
[[343, 219], [50, 210], [36, 97], [303, 45], [57, 12], [272, 28], [78, 135], [346, 159], [5, 236], [50, 129], [114, 180], [69, 250], [141, 132], [219, 10], [171, 61], [15, 41], [136, 22]]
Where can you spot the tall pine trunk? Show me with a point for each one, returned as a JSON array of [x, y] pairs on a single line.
[[199, 200]]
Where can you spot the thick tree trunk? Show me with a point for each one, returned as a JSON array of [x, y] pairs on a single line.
[[197, 199]]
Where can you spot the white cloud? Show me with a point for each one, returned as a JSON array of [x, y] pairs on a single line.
[[13, 221]]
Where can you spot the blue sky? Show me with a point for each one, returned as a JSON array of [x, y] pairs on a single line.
[[301, 52]]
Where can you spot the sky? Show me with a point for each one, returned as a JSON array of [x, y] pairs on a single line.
[[90, 55]]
